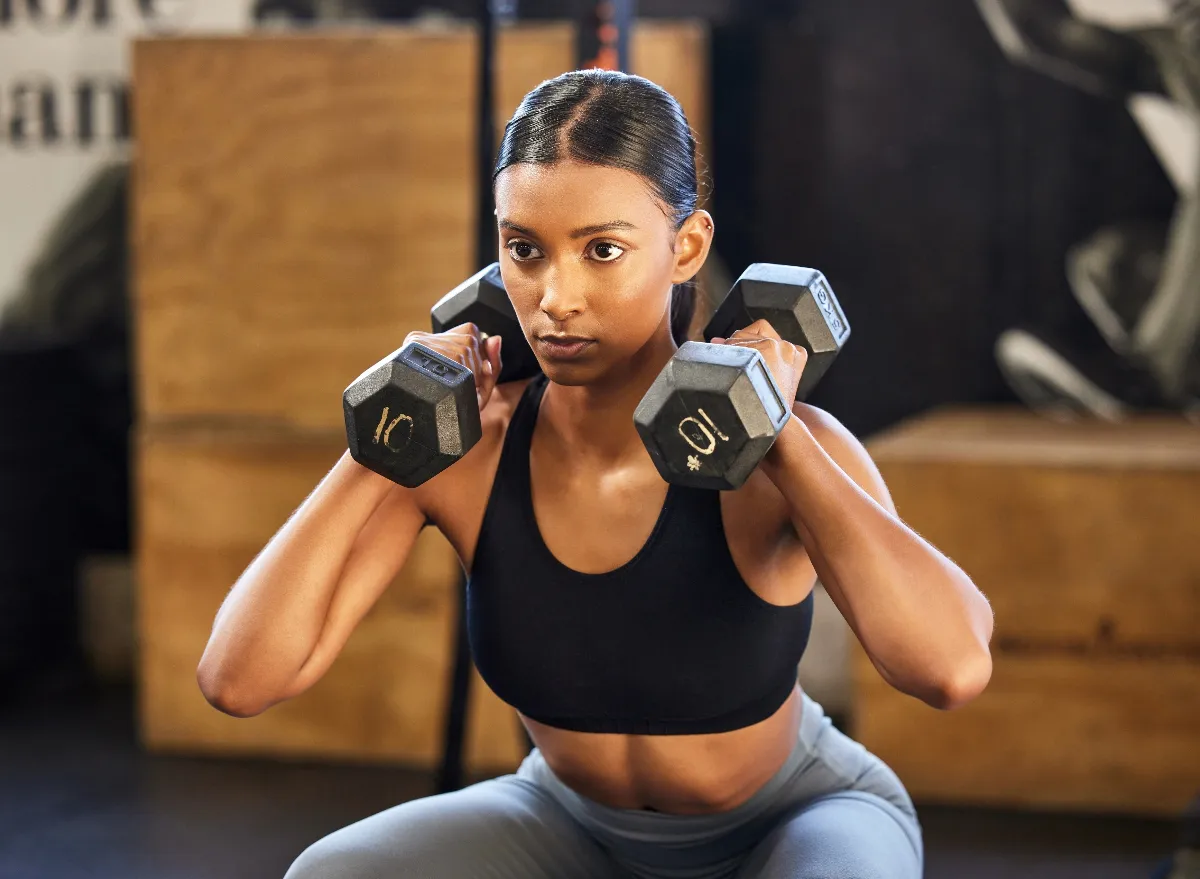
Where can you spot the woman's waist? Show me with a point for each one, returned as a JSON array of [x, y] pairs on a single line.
[[694, 774]]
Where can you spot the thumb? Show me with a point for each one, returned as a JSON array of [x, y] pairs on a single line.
[[487, 382], [493, 353]]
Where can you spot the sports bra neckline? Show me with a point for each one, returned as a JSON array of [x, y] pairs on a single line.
[[518, 446]]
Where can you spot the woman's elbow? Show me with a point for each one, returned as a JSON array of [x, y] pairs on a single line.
[[226, 698], [966, 681]]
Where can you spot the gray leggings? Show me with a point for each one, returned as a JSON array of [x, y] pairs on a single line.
[[833, 811]]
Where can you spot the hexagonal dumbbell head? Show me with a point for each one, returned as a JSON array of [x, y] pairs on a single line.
[[711, 415], [411, 415], [798, 303], [483, 301]]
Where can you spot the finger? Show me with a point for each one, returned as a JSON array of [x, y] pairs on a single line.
[[463, 329], [481, 366], [751, 333], [492, 349], [416, 337], [474, 360], [487, 382], [743, 336], [469, 338], [457, 348], [762, 327], [758, 342], [457, 343], [463, 345], [485, 360], [467, 332]]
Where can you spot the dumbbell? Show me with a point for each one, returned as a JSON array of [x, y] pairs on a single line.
[[414, 413], [714, 411]]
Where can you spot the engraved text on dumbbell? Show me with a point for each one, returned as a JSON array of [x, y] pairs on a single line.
[[430, 364], [825, 302], [384, 429], [701, 438]]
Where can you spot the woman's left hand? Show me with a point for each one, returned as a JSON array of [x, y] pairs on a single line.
[[785, 360]]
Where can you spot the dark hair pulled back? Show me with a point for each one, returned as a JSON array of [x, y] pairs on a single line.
[[604, 117]]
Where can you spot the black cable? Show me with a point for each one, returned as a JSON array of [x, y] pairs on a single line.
[[602, 35], [485, 242], [450, 776]]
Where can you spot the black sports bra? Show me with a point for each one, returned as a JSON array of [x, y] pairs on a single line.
[[671, 642]]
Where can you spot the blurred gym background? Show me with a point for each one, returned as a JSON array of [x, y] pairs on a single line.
[[213, 216]]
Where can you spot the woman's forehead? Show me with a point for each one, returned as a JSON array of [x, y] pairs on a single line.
[[579, 193]]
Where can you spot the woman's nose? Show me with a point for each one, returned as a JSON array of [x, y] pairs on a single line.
[[561, 294]]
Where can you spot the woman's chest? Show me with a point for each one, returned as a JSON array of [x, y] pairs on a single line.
[[597, 521], [592, 520]]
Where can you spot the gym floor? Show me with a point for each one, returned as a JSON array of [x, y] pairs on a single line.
[[79, 799]]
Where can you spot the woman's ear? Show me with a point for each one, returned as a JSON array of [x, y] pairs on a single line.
[[691, 246]]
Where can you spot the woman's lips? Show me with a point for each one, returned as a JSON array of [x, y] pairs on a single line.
[[565, 347]]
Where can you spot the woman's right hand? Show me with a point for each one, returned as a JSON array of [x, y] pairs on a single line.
[[466, 345]]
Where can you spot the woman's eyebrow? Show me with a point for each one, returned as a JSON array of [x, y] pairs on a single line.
[[602, 227], [510, 226], [583, 232]]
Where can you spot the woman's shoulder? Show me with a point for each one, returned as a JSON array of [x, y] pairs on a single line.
[[499, 411]]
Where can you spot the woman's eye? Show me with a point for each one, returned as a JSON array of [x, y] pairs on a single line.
[[606, 252], [522, 250]]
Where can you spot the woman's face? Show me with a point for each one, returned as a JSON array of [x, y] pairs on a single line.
[[588, 258]]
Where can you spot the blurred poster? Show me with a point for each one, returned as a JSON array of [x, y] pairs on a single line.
[[1136, 279], [1170, 125], [64, 102]]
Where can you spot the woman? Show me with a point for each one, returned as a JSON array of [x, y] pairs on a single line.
[[648, 635]]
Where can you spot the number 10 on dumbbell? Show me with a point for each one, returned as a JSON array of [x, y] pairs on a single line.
[[714, 411]]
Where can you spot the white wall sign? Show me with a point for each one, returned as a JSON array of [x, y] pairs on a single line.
[[64, 101]]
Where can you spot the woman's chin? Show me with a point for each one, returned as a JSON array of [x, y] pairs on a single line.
[[571, 374], [585, 371], [616, 369]]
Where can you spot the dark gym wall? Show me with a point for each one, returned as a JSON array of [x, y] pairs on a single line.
[[891, 144], [938, 186]]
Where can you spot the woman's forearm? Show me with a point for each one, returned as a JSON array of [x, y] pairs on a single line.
[[274, 614], [919, 617]]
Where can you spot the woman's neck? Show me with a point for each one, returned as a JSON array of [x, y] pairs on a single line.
[[595, 421]]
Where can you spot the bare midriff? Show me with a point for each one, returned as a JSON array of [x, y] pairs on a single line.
[[676, 774]]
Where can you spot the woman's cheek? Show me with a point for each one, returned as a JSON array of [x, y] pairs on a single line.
[[639, 312], [521, 293]]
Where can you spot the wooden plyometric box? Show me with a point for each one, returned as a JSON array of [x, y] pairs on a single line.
[[1083, 536], [302, 201], [210, 499], [298, 203]]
